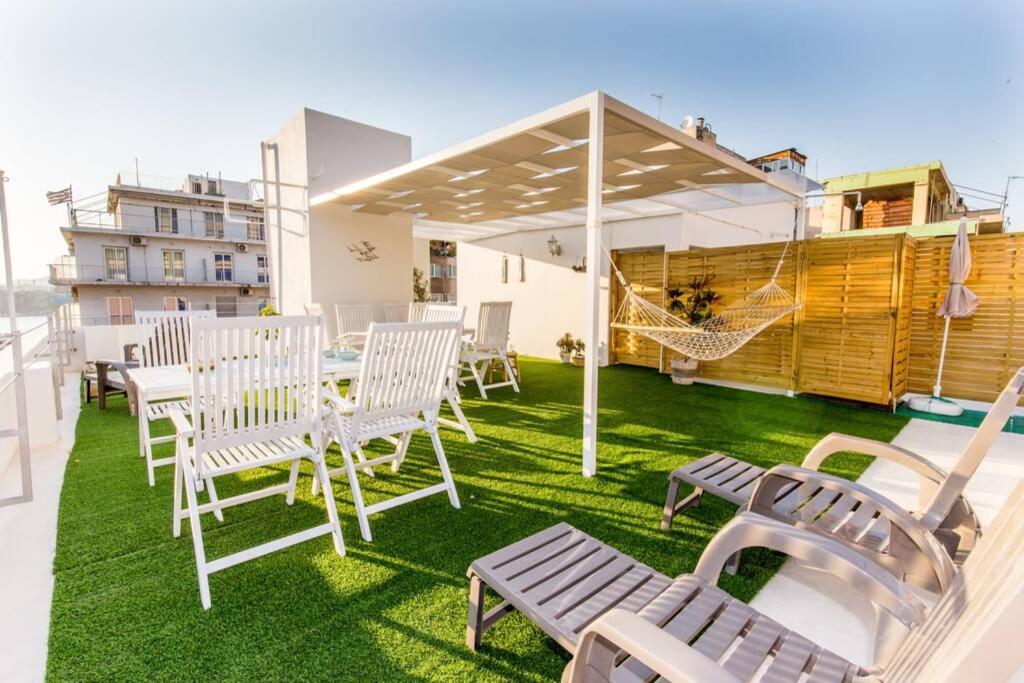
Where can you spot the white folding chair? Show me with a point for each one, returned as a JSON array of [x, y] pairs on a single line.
[[255, 398], [438, 312], [353, 323], [163, 339], [397, 313], [489, 343], [400, 389]]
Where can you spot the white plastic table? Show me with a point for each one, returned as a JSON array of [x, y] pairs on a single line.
[[171, 382]]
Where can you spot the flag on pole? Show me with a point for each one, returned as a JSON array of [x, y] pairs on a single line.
[[59, 197]]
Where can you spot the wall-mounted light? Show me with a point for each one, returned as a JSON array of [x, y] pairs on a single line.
[[554, 248]]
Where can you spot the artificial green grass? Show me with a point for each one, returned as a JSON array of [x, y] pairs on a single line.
[[126, 601]]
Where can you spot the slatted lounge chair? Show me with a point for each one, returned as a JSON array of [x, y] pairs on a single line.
[[437, 312], [623, 621], [353, 323], [852, 513], [489, 343], [716, 639], [564, 580], [256, 385], [163, 339], [400, 388]]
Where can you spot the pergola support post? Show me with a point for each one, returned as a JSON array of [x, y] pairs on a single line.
[[591, 335]]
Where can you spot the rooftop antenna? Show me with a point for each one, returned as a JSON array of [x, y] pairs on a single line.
[[137, 182], [658, 96]]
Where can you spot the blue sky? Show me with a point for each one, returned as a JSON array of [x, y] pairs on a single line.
[[193, 87]]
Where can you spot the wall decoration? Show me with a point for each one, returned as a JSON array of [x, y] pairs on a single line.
[[504, 269], [364, 251], [522, 268], [580, 268]]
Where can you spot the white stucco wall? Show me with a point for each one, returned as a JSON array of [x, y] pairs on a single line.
[[551, 300], [325, 152]]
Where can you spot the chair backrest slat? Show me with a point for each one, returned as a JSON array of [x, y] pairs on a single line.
[[981, 442], [353, 318], [438, 312], [397, 313], [404, 368], [254, 379], [164, 336], [493, 324]]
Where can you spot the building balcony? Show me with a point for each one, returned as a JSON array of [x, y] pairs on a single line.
[[184, 223], [66, 274]]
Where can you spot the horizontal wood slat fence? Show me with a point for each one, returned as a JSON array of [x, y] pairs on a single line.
[[867, 329]]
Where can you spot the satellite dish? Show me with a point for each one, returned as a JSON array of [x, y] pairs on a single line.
[[687, 122]]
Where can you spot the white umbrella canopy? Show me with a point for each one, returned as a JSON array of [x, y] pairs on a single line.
[[959, 302]]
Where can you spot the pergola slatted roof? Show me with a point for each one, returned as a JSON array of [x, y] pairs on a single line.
[[588, 161], [533, 174]]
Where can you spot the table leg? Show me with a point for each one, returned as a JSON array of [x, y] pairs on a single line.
[[101, 385]]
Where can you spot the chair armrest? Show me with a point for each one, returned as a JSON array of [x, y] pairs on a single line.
[[666, 655], [748, 530], [931, 475], [181, 424], [922, 537], [339, 402]]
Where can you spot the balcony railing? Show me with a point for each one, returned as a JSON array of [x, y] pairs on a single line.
[[186, 222], [74, 274]]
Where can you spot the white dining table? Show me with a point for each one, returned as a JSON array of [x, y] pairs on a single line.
[[169, 382]]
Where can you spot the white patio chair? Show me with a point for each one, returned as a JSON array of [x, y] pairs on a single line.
[[255, 399], [400, 389], [397, 313], [489, 343], [439, 312], [353, 323], [163, 339]]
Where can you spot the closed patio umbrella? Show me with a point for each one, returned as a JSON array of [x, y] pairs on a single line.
[[959, 302]]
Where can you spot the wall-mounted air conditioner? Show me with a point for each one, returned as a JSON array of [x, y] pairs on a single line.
[[137, 241], [245, 291], [242, 248]]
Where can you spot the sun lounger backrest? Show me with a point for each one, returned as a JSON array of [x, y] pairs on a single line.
[[979, 445], [973, 632]]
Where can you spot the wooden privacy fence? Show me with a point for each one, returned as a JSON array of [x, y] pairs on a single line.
[[867, 329]]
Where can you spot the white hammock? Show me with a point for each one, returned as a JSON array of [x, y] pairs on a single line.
[[715, 338]]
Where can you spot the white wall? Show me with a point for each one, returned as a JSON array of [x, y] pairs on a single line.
[[325, 152], [92, 300], [551, 300]]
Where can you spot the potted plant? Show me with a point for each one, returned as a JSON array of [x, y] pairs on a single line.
[[566, 344], [578, 347], [693, 303]]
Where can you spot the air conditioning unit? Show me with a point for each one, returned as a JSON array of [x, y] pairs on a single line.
[[137, 241], [245, 291], [242, 248]]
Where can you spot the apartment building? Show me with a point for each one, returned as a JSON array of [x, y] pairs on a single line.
[[154, 244], [443, 271]]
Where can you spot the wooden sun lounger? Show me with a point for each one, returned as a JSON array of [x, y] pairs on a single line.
[[901, 540], [564, 581]]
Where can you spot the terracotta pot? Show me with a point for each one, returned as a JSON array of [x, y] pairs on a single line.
[[684, 370], [566, 357], [578, 361]]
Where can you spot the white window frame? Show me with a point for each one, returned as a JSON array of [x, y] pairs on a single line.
[[254, 228], [115, 274], [219, 269], [213, 222], [168, 226], [262, 269], [436, 270], [173, 274]]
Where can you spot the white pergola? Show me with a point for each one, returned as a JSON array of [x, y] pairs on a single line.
[[588, 161]]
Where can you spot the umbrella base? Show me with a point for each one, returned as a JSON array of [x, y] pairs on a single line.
[[935, 405]]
